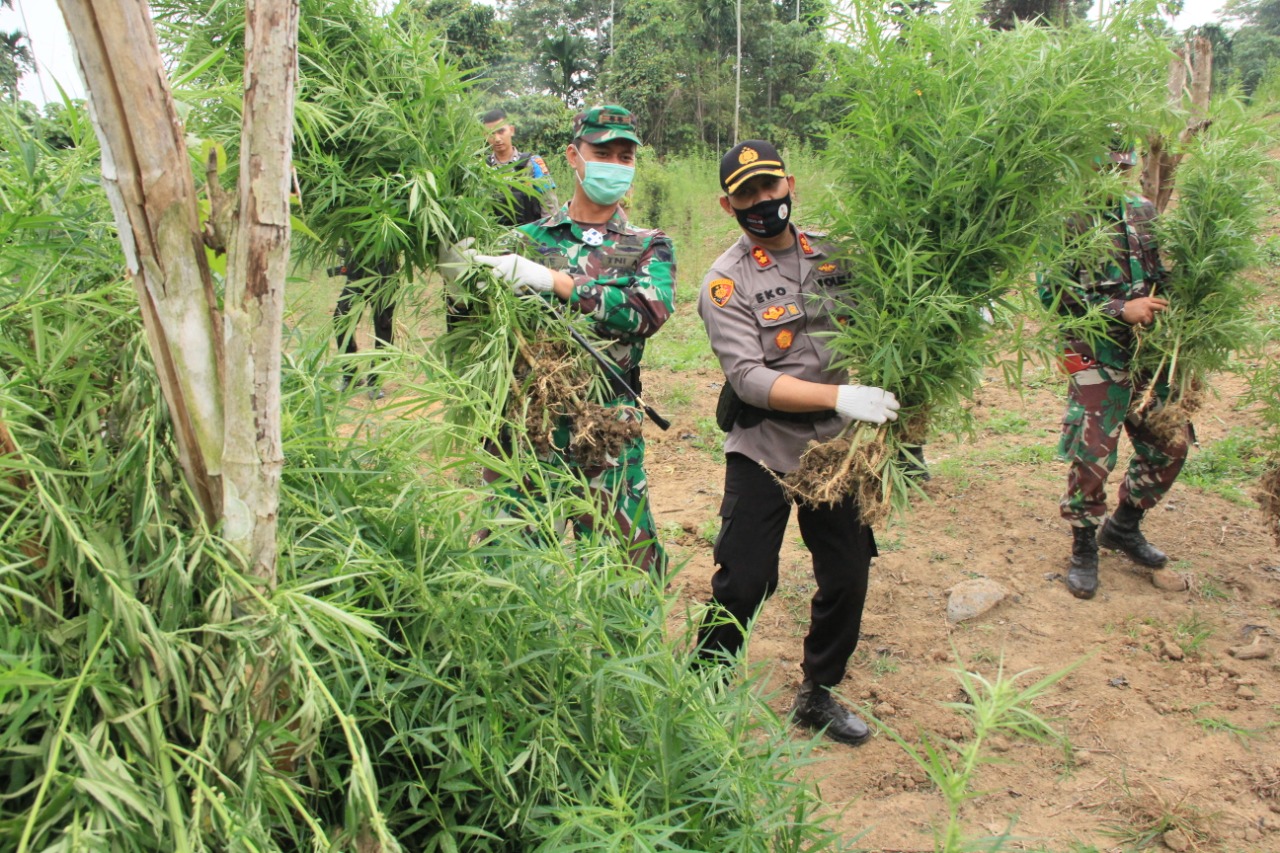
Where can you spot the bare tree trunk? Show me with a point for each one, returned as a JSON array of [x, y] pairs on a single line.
[[147, 177], [1194, 75], [256, 270], [221, 381]]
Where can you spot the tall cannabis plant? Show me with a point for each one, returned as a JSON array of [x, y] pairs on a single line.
[[1207, 239], [958, 150]]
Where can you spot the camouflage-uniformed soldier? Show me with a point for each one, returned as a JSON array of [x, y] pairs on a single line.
[[765, 304], [523, 207], [1101, 389], [593, 262]]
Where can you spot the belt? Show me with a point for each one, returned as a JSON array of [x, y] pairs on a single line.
[[631, 377], [752, 415]]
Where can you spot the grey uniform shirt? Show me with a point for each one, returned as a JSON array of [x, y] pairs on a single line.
[[762, 310]]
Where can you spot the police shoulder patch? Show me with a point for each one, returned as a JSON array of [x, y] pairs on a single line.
[[720, 290]]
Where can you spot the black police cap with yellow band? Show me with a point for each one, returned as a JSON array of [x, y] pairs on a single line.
[[748, 159]]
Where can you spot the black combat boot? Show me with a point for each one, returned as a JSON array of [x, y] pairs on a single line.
[[1082, 573], [816, 708], [1120, 532], [912, 459]]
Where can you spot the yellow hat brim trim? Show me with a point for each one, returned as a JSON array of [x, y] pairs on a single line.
[[759, 167]]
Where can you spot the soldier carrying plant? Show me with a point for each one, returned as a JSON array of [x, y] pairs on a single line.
[[1102, 388]]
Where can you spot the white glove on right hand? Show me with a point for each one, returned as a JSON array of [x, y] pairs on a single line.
[[521, 273], [866, 403]]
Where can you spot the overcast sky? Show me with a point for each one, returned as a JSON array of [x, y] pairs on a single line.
[[42, 21]]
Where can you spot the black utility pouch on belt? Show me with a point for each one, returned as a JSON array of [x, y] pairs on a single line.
[[732, 411], [728, 407]]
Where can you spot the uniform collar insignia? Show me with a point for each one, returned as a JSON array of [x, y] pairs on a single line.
[[805, 246], [761, 257]]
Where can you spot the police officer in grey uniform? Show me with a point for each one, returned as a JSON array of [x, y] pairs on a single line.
[[764, 303]]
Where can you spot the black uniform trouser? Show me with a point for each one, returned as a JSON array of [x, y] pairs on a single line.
[[753, 520], [376, 288]]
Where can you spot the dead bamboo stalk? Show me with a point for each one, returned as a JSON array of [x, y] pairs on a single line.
[[1190, 77], [147, 177], [256, 269]]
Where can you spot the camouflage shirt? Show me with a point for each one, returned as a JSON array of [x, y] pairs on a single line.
[[1131, 272], [625, 284]]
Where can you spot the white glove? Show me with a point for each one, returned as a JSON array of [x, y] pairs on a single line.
[[454, 258], [521, 273], [865, 403]]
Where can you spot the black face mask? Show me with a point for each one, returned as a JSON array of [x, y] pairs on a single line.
[[767, 218]]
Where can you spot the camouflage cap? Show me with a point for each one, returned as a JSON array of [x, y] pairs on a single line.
[[605, 124]]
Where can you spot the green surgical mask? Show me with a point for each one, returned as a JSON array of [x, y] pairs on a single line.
[[606, 183]]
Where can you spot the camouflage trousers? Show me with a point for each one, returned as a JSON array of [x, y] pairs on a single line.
[[610, 499], [1098, 405]]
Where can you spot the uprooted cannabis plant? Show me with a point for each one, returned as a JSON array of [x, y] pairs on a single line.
[[1207, 239], [959, 151]]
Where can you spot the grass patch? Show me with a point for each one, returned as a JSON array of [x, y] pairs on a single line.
[[1191, 633], [1240, 733], [1227, 467], [681, 344], [1008, 423], [1145, 817]]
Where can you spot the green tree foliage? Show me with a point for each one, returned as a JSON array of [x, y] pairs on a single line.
[[534, 21], [16, 58], [1254, 53], [475, 36], [1263, 14], [1245, 56], [565, 65], [673, 64]]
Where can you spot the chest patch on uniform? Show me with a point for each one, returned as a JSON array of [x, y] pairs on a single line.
[[720, 290], [550, 258], [784, 339], [827, 267], [836, 280], [779, 312], [805, 246], [761, 256]]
